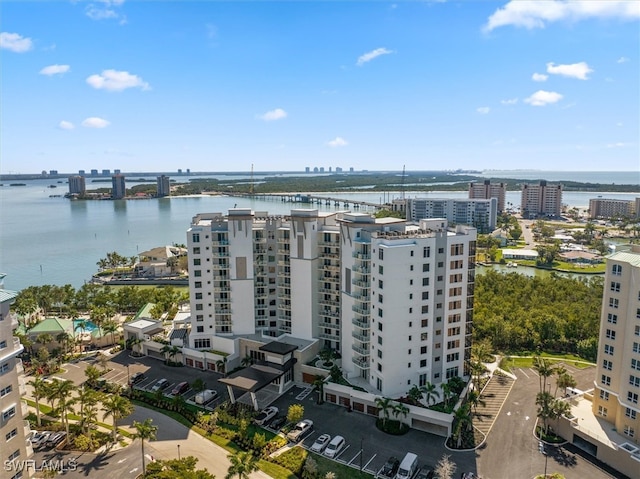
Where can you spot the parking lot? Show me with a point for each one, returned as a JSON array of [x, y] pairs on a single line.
[[367, 447]]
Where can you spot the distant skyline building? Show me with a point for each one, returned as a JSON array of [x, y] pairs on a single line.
[[118, 187], [610, 208], [486, 190], [163, 186], [94, 172], [481, 214], [81, 172], [77, 185], [541, 200], [106, 172]]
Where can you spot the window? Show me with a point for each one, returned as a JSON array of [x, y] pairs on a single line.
[[638, 313], [457, 264], [455, 278], [425, 309], [636, 347], [440, 264], [380, 269], [616, 270], [453, 331], [455, 291], [380, 340], [411, 267], [632, 397], [14, 455], [199, 307], [453, 357], [604, 395], [452, 372], [202, 343], [379, 326], [199, 317], [6, 390], [440, 250], [613, 303], [610, 334], [608, 350], [602, 411], [606, 380], [453, 344], [422, 379], [379, 367], [630, 413], [411, 253], [379, 354], [197, 284], [423, 363], [635, 364], [3, 344], [426, 252], [629, 431], [423, 350], [380, 254], [9, 413], [615, 286], [200, 329], [196, 261], [380, 283], [424, 323], [454, 318], [425, 281], [424, 337], [196, 250], [636, 331], [425, 295], [197, 273], [11, 434], [457, 249], [634, 381], [195, 237], [379, 312], [608, 365], [612, 318], [408, 365], [425, 267], [380, 298]]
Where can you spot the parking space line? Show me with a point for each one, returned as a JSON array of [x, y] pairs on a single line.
[[343, 451], [522, 371], [369, 462], [533, 371], [354, 457]]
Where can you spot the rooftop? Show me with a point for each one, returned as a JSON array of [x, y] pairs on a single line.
[[278, 347]]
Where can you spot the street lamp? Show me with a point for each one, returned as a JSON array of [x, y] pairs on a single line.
[[128, 377], [361, 452], [178, 452]]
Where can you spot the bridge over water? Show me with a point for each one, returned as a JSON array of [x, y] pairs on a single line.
[[312, 199]]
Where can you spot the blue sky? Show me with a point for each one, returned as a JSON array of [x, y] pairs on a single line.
[[219, 86]]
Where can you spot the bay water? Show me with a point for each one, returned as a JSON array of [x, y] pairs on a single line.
[[54, 240]]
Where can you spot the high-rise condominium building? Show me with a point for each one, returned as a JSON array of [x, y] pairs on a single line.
[[610, 208], [481, 214], [163, 186], [118, 187], [541, 200], [616, 396], [487, 190], [394, 298], [77, 185], [15, 430]]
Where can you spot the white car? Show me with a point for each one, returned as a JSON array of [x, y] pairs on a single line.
[[160, 385], [334, 447], [266, 415], [321, 443], [300, 430], [206, 396]]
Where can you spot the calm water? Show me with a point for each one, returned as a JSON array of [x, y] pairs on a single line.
[[47, 240]]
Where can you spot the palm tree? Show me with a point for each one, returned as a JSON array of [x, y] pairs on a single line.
[[242, 464], [198, 385], [565, 381], [446, 393], [103, 361], [173, 351], [221, 366], [92, 373], [40, 390], [415, 394], [165, 352], [430, 392], [135, 343], [544, 401], [144, 430], [246, 361], [63, 338], [385, 405], [61, 390], [117, 407], [462, 421], [544, 369], [111, 327], [44, 338], [475, 400], [477, 369], [400, 409], [81, 325], [88, 398], [318, 385]]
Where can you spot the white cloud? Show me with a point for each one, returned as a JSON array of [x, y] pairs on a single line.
[[272, 115], [54, 70], [212, 31], [104, 10], [337, 141], [66, 125], [574, 70], [15, 42], [537, 14], [367, 57], [483, 110], [95, 122], [542, 98], [539, 77], [622, 60], [619, 124], [113, 80], [509, 101], [618, 145]]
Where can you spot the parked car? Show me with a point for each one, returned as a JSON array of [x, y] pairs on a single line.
[[300, 430], [136, 377], [206, 396], [389, 469], [278, 422], [334, 447], [180, 388], [408, 466], [266, 415], [425, 472], [321, 443], [469, 475], [56, 439], [160, 385], [39, 438]]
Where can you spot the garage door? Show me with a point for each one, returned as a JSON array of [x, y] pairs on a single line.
[[585, 445], [429, 427]]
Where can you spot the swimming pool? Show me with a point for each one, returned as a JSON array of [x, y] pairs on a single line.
[[88, 325]]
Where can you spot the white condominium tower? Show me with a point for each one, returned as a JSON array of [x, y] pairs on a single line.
[[617, 385], [395, 298], [14, 428]]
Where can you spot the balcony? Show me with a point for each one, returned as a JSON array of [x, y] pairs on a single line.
[[327, 324], [218, 254], [220, 266], [330, 267], [330, 278], [220, 242], [361, 351], [361, 337], [19, 367], [329, 302], [365, 298], [329, 255], [361, 311], [361, 284], [363, 256], [361, 269], [25, 408], [361, 362], [329, 336], [328, 312], [221, 289], [22, 388], [361, 324]]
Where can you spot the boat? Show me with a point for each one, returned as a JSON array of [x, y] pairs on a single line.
[[512, 264], [52, 186]]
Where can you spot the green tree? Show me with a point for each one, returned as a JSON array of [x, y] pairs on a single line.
[[545, 370], [144, 431], [242, 464], [116, 407], [461, 422], [400, 409], [61, 390], [318, 386], [386, 406], [184, 468], [92, 374], [111, 327], [135, 344], [430, 392], [475, 399], [295, 413], [40, 391], [414, 395], [198, 385]]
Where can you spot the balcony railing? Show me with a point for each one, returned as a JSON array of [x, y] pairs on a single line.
[[330, 302], [365, 256], [361, 311], [361, 284], [361, 337], [220, 242], [361, 351], [329, 336], [361, 324], [361, 362], [332, 314]]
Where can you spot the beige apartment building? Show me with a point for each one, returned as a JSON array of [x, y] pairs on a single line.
[[487, 190], [541, 200], [14, 429], [617, 384], [609, 208]]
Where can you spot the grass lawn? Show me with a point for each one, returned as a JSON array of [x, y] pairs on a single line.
[[527, 362]]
